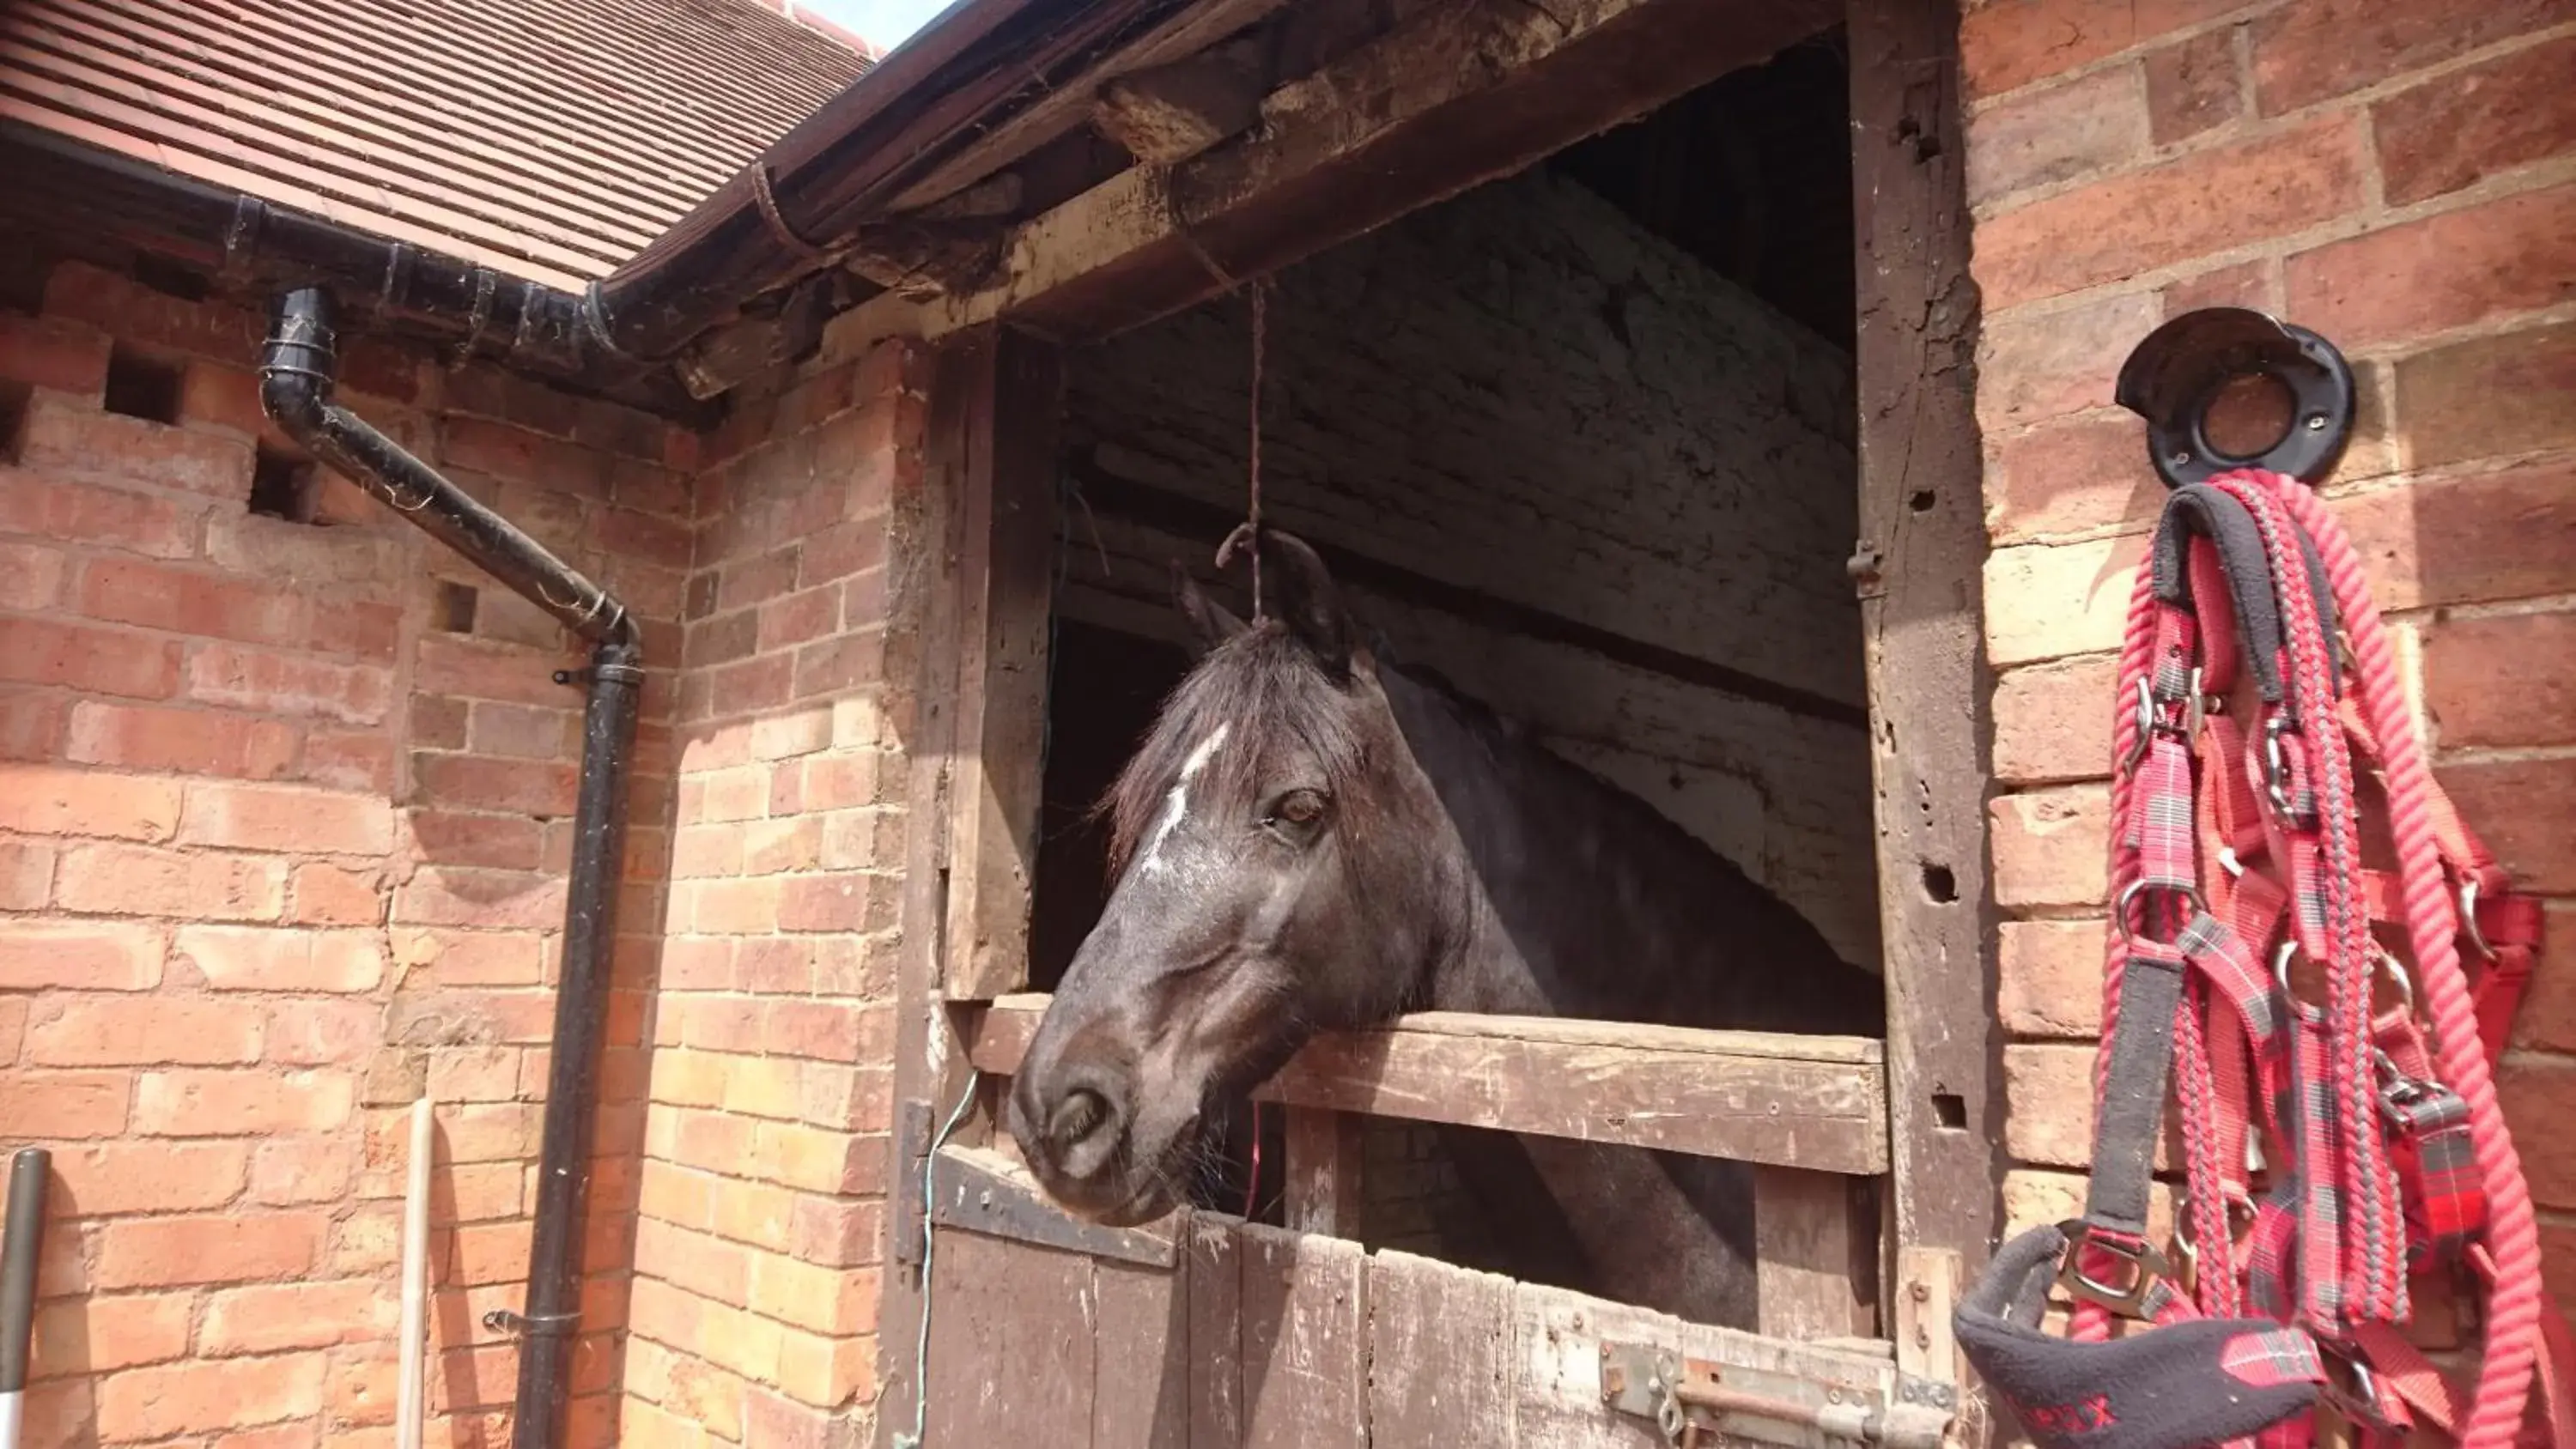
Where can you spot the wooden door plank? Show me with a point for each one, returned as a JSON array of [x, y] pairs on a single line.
[[1440, 1355], [1325, 1173], [1922, 521], [1215, 1291], [1141, 1398], [1305, 1341], [1812, 1257], [1011, 1340]]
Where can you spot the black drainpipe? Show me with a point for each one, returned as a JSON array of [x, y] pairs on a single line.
[[295, 377]]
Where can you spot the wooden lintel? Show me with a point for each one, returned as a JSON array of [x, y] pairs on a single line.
[[1193, 30], [1453, 96], [1810, 1102], [1166, 115]]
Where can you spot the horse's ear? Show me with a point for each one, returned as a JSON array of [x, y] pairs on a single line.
[[1208, 618], [1303, 594]]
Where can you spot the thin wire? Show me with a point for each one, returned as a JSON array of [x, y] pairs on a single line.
[[921, 1345], [1260, 340], [1252, 1180]]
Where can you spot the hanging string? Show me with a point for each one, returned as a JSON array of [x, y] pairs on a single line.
[[1260, 341]]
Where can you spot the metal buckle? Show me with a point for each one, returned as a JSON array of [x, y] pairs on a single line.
[[2151, 722], [2129, 896], [2359, 1402], [2186, 1251], [2276, 768], [2381, 963], [2147, 1269], [2469, 918]]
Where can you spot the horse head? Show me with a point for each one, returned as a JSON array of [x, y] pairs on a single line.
[[1279, 870]]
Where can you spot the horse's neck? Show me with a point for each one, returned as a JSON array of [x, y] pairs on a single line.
[[1573, 899]]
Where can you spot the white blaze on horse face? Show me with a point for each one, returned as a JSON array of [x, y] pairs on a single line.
[[1176, 805]]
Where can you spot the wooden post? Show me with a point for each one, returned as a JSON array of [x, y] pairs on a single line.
[[1324, 1179], [1922, 549], [1006, 561]]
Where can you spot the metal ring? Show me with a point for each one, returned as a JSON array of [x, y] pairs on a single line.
[[2128, 896], [2469, 918]]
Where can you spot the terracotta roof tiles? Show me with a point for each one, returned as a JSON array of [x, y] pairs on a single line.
[[549, 139]]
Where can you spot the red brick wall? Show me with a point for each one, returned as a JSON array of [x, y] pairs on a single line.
[[772, 1086], [2401, 176], [281, 838]]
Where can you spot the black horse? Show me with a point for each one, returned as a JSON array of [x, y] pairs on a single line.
[[1309, 840]]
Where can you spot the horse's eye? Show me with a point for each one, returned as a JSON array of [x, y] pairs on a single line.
[[1300, 807]]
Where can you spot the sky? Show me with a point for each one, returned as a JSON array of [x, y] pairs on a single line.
[[884, 24]]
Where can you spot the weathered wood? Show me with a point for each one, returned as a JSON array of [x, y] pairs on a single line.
[[1326, 1184], [1928, 1284], [1171, 113], [1192, 30], [1453, 96], [1012, 1343], [1305, 1341], [1006, 570], [925, 525], [1216, 1332], [1810, 1254], [986, 1192], [1440, 1355], [1141, 1391], [1922, 522], [1792, 1101]]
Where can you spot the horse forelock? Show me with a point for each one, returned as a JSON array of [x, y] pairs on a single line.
[[1267, 694]]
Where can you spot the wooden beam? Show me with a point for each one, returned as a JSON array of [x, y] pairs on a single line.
[[1325, 1173], [1167, 115], [1923, 545], [1813, 1253], [1810, 1102], [1006, 562], [1193, 30], [1454, 95]]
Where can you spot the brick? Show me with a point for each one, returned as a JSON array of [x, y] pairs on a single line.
[[2520, 807], [31, 578], [2501, 680], [474, 669], [2057, 134], [2459, 128], [237, 958], [2046, 602], [2053, 721], [270, 817], [175, 1251], [361, 630], [140, 1031], [80, 956], [62, 509], [349, 760], [294, 1171], [833, 665], [268, 682], [2509, 534], [525, 732], [125, 308], [2246, 284], [116, 880], [109, 1332], [41, 800], [2070, 476], [101, 661], [2514, 254], [330, 895], [115, 1178], [826, 1370], [2049, 1113], [31, 724], [55, 353], [13, 1026], [26, 876], [472, 958], [449, 837], [845, 1234], [2536, 1092], [646, 1426], [2050, 978], [2275, 184], [276, 1316], [825, 901], [2033, 1198], [2491, 396], [488, 1253], [308, 1032], [2010, 43], [708, 1397], [707, 850], [65, 1104], [2193, 86], [69, 439], [157, 596], [192, 741], [2317, 50], [739, 907], [471, 782], [208, 1395], [2051, 847], [359, 562]]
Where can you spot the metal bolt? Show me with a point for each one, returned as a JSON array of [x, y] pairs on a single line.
[[1919, 1292]]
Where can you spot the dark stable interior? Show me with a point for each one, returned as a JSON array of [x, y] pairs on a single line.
[[1751, 174]]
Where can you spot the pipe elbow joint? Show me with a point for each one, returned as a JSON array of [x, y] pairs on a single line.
[[297, 363]]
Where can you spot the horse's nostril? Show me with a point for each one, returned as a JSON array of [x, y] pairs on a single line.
[[1081, 1114]]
